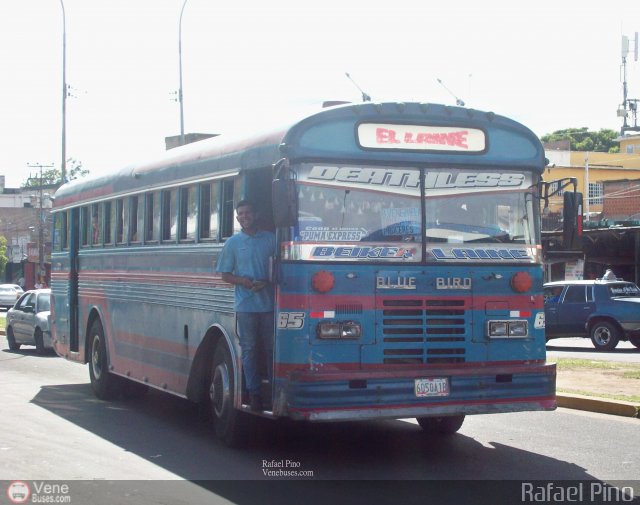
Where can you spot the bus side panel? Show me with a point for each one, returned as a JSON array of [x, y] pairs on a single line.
[[155, 308]]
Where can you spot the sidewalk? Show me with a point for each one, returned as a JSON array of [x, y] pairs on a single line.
[[601, 378]]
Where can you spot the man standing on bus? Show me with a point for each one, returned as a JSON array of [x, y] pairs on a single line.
[[244, 262]]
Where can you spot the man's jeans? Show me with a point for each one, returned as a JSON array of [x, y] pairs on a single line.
[[255, 329]]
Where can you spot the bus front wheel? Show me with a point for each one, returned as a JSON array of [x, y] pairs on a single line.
[[103, 383], [228, 421], [445, 425]]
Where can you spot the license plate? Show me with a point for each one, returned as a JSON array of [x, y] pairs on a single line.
[[432, 387]]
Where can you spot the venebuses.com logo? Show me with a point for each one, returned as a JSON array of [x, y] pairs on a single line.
[[18, 492]]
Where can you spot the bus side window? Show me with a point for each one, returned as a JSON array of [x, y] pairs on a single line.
[[169, 215], [136, 218], [209, 214], [227, 216], [108, 218], [188, 213], [152, 217], [121, 221], [96, 224], [86, 226]]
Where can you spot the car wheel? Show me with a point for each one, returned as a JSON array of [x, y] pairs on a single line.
[[104, 384], [605, 336], [635, 340], [11, 339], [228, 422], [39, 340], [445, 425]]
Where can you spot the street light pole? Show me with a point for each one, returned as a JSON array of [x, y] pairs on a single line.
[[180, 96], [63, 164]]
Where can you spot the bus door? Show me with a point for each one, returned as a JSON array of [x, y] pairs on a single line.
[[74, 241]]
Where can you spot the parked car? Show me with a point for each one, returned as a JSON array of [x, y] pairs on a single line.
[[9, 294], [28, 321], [607, 311]]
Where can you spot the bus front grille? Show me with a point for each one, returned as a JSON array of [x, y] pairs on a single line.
[[419, 331]]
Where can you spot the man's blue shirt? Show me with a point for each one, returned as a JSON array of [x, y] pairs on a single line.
[[247, 256]]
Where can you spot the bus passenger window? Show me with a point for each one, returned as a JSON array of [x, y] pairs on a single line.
[[96, 224], [121, 221], [86, 226], [108, 218], [227, 208], [136, 218], [169, 215], [152, 215], [188, 213], [209, 211]]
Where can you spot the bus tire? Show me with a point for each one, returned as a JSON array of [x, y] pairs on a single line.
[[635, 340], [11, 340], [39, 340], [227, 420], [445, 425], [104, 384], [605, 336]]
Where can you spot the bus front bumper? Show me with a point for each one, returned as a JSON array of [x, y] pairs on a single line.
[[359, 395]]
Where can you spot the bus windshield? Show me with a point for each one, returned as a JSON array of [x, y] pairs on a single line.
[[380, 209]]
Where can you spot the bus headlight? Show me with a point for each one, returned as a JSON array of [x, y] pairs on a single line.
[[506, 329], [346, 330]]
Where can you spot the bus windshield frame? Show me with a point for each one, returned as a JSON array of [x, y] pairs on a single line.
[[414, 215]]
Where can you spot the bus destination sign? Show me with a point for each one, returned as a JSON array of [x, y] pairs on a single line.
[[417, 137]]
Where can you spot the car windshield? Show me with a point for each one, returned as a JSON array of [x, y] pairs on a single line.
[[623, 289]]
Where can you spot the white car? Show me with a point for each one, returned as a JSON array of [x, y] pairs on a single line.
[[9, 293], [28, 321]]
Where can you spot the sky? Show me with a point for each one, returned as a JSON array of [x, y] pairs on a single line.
[[548, 64]]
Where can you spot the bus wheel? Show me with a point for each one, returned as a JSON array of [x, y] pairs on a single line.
[[39, 341], [11, 340], [604, 336], [446, 425], [104, 384], [635, 340], [228, 422]]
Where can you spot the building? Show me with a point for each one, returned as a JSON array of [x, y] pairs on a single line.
[[25, 223]]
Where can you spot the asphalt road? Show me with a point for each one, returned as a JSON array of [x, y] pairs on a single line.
[[162, 450]]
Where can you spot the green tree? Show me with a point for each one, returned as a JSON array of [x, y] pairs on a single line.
[[3, 254], [53, 176], [581, 139]]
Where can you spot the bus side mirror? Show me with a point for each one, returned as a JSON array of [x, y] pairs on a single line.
[[572, 221], [285, 203]]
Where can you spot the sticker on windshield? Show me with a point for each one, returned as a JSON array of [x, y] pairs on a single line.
[[326, 234]]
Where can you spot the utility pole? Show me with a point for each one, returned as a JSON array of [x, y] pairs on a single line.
[[41, 271], [63, 165], [180, 94]]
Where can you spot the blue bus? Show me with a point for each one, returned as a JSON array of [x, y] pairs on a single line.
[[408, 272]]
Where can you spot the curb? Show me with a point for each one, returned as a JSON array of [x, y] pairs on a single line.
[[601, 405]]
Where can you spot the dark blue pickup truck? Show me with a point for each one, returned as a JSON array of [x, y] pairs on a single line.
[[607, 311]]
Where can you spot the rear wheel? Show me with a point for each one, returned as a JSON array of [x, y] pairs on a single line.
[[11, 340], [228, 422], [635, 340], [104, 384], [38, 338], [445, 425], [605, 336]]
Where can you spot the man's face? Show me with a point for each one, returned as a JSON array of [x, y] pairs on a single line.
[[246, 217]]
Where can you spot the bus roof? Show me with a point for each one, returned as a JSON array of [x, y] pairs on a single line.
[[330, 134]]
